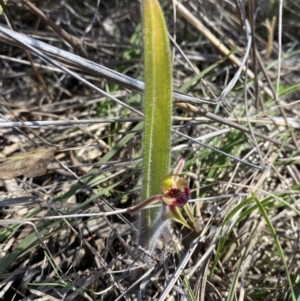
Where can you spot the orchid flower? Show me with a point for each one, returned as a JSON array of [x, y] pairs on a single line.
[[175, 194]]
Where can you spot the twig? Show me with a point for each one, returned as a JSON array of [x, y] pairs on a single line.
[[38, 124], [82, 64]]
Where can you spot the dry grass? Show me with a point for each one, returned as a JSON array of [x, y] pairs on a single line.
[[92, 115]]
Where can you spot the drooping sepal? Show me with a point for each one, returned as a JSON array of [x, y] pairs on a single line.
[[175, 214]]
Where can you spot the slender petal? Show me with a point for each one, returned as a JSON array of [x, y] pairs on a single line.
[[178, 169], [144, 204]]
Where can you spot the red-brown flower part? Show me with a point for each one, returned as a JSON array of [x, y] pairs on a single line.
[[175, 193]]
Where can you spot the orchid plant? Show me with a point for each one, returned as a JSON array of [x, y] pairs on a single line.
[[158, 185], [175, 194]]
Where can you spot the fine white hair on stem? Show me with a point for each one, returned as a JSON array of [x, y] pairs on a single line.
[[160, 223]]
